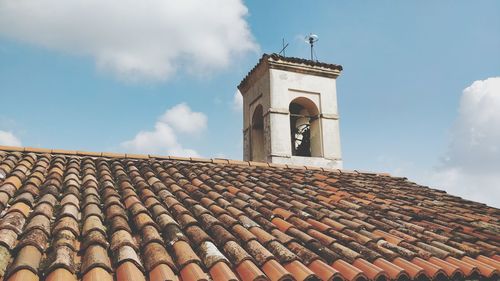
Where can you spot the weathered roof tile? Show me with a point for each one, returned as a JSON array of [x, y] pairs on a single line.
[[190, 219]]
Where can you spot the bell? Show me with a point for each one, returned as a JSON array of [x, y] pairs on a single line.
[[303, 119]]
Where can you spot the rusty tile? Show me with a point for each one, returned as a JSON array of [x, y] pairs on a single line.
[[162, 272], [488, 261], [348, 271], [184, 254], [452, 271], [112, 211], [323, 238], [131, 201], [61, 257], [221, 235], [150, 234], [94, 238], [275, 271], [370, 270], [127, 254], [119, 223], [93, 223], [137, 209], [25, 197], [27, 258], [207, 221], [197, 235], [282, 237], [186, 220], [165, 220], [5, 256], [248, 271], [469, 270], [122, 238], [13, 221], [260, 254], [4, 198], [300, 271], [143, 219], [416, 272], [172, 233], [282, 224], [389, 237], [67, 223], [236, 254], [8, 191], [20, 207], [23, 275], [242, 233], [95, 256], [193, 272], [263, 236], [40, 222], [393, 271], [109, 201], [210, 255], [14, 181], [8, 238], [283, 213], [217, 210], [36, 238], [432, 270], [97, 274], [324, 271], [221, 271], [358, 214], [300, 235], [247, 222], [281, 252], [61, 274], [485, 269], [70, 199], [155, 254], [128, 271]]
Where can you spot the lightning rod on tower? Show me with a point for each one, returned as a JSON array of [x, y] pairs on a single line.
[[312, 38]]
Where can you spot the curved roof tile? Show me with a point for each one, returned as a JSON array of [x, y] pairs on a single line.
[[144, 216]]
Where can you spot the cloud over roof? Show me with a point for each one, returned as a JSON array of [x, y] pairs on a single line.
[[135, 40], [471, 166]]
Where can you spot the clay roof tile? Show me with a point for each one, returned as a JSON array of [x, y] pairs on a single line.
[[213, 218]]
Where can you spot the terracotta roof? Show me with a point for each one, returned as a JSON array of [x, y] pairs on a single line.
[[69, 215]]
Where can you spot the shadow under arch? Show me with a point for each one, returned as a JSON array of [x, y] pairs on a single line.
[[257, 135], [305, 128]]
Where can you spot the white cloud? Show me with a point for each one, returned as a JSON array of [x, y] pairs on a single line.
[[471, 167], [135, 39], [182, 119], [8, 138], [163, 138], [237, 101]]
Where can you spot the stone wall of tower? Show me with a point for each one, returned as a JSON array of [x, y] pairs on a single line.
[[256, 95], [274, 85], [287, 86]]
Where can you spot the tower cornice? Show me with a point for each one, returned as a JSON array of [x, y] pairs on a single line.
[[298, 65]]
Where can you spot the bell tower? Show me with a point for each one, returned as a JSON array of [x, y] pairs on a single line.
[[290, 112]]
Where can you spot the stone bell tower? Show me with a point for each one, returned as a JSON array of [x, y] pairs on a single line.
[[290, 112]]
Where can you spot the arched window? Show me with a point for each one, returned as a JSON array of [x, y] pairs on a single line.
[[257, 135], [304, 128]]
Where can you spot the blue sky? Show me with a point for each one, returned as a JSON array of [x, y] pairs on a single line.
[[406, 65]]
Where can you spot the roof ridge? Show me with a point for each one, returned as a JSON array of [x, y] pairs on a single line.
[[179, 158]]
